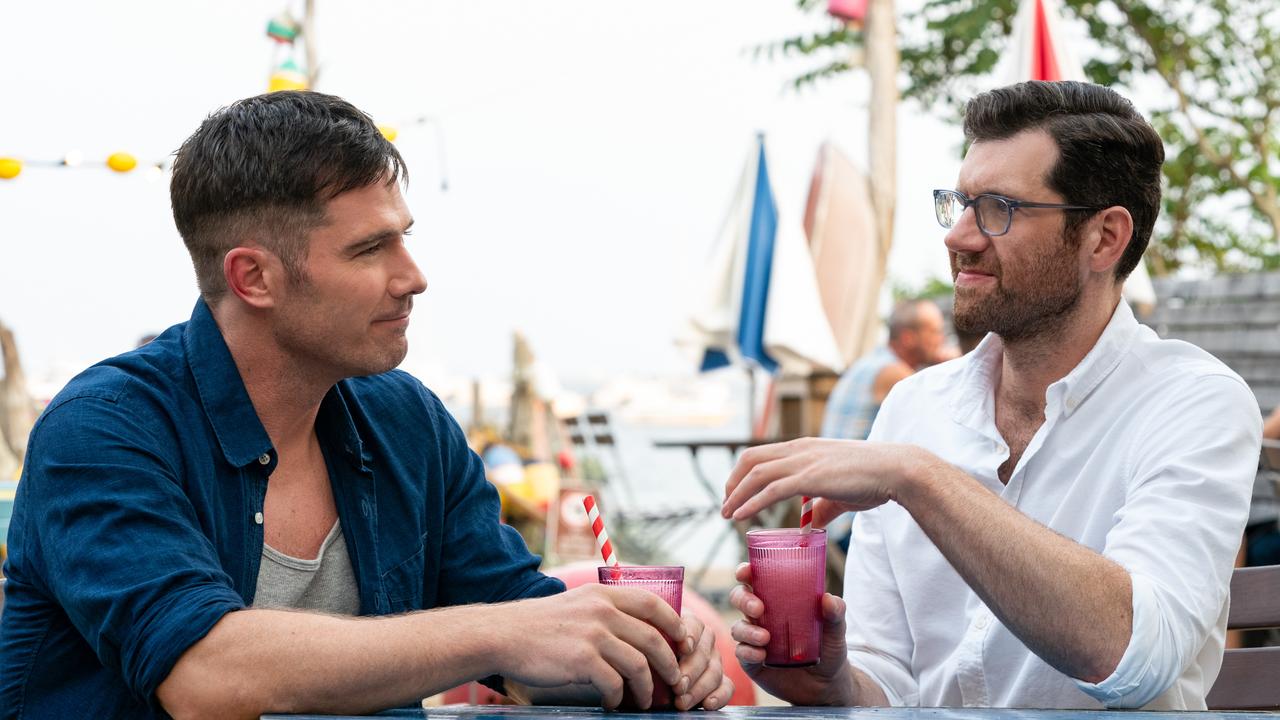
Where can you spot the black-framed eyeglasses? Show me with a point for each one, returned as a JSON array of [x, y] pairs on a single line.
[[994, 212]]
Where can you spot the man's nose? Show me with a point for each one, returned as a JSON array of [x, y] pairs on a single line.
[[409, 279], [965, 236]]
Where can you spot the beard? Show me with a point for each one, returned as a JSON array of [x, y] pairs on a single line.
[[1046, 295], [310, 330]]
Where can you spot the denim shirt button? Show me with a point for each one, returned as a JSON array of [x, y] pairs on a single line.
[[264, 459], [257, 518]]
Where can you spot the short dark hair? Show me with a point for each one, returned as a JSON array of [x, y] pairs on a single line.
[[1108, 154], [264, 167]]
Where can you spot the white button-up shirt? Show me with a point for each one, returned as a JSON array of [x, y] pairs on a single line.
[[1147, 455]]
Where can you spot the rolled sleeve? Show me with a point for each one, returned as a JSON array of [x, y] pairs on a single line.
[[1136, 680], [118, 544], [1178, 532]]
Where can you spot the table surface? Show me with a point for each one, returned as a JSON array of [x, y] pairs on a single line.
[[502, 712]]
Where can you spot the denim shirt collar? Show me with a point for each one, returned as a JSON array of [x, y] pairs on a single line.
[[226, 402], [222, 393], [335, 424]]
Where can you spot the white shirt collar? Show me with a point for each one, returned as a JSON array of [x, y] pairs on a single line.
[[973, 397]]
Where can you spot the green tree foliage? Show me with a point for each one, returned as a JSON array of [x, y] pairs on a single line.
[[1212, 65]]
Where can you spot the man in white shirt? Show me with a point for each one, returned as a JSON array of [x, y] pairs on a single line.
[[1051, 520]]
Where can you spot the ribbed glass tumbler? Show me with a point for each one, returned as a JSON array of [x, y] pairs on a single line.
[[788, 574]]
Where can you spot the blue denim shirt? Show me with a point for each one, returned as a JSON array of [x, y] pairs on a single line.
[[138, 525]]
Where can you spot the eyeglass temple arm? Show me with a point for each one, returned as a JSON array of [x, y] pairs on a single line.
[[1059, 206]]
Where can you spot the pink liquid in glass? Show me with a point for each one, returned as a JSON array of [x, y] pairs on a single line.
[[667, 582], [788, 574]]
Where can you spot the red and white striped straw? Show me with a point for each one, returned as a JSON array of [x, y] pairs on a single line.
[[597, 527], [806, 513]]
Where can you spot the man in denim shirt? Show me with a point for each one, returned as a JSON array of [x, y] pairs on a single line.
[[199, 520]]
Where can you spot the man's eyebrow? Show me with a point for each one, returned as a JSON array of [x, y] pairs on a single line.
[[378, 237], [989, 191]]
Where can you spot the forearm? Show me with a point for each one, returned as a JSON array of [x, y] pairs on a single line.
[[865, 691], [258, 661], [1271, 426], [1070, 605]]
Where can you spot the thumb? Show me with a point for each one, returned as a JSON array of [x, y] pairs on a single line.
[[833, 633], [825, 511]]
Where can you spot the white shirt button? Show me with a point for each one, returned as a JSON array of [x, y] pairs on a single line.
[[981, 623], [264, 459], [257, 518]]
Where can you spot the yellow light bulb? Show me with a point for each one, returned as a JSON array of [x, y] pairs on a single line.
[[122, 162], [9, 168]]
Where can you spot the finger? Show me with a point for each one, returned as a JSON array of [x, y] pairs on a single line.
[[606, 681], [695, 664], [745, 602], [833, 611], [693, 624], [767, 484], [759, 482], [632, 666], [721, 696], [644, 605], [743, 573], [748, 634], [833, 631], [750, 657], [748, 460], [706, 683], [646, 639]]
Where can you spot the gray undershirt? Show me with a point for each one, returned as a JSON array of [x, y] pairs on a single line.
[[326, 584]]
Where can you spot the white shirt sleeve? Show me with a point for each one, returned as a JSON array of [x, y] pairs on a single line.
[[1189, 478], [879, 641], [876, 631]]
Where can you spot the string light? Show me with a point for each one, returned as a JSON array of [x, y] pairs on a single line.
[[120, 162]]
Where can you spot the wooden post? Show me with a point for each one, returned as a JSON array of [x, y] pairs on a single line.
[[309, 43], [882, 67], [17, 410]]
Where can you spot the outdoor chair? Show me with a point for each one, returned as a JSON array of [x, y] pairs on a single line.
[[1250, 677]]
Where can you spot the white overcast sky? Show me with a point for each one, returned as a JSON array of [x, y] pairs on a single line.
[[592, 148]]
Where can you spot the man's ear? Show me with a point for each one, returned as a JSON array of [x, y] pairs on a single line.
[[1113, 231], [251, 274]]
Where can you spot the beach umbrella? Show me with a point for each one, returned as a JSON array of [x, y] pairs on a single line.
[[757, 304], [1040, 51], [847, 253]]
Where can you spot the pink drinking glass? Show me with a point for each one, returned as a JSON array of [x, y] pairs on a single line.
[[667, 582], [788, 574]]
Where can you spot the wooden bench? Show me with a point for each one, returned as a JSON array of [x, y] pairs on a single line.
[[1250, 677]]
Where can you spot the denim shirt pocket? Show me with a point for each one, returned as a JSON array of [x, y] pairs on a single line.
[[403, 583]]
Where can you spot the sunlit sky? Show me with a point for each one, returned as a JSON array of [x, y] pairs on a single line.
[[592, 148]]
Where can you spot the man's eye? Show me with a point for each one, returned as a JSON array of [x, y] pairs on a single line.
[[371, 250]]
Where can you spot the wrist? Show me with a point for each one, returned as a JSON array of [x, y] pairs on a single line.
[[486, 642], [917, 476], [843, 691]]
